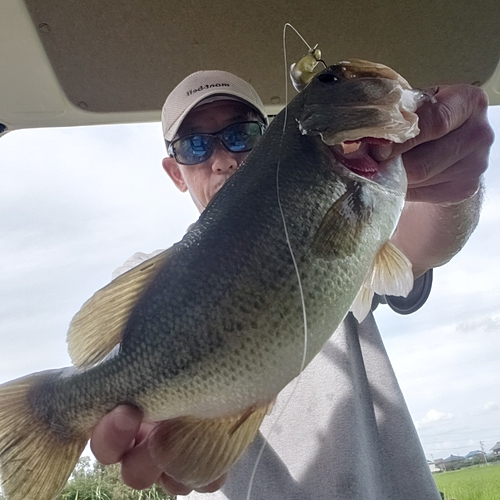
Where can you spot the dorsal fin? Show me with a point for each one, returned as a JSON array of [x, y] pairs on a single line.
[[98, 326], [196, 451], [391, 274]]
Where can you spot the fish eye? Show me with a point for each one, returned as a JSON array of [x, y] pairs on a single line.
[[327, 78]]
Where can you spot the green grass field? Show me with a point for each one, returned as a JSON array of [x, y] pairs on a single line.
[[472, 483]]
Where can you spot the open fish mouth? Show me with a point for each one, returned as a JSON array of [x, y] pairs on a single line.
[[358, 156]]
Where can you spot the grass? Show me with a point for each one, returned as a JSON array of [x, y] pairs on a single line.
[[471, 483], [93, 481]]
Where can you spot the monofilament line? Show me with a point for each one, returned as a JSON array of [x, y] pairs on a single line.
[[286, 65], [292, 255], [301, 37]]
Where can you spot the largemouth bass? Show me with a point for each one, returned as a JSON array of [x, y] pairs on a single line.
[[210, 331]]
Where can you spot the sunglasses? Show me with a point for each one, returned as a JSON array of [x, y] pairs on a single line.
[[197, 148]]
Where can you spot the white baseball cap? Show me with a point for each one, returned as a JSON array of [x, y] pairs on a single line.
[[206, 86]]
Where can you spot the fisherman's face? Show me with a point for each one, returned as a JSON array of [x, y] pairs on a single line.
[[203, 180]]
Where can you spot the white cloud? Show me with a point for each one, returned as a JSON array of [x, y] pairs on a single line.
[[490, 406], [74, 205], [488, 324], [431, 417]]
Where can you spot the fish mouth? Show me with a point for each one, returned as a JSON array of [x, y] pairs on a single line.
[[358, 155]]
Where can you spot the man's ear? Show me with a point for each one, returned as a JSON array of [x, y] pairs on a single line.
[[172, 168]]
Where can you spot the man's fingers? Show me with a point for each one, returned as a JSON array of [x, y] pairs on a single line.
[[430, 159], [447, 192], [138, 469], [469, 169], [454, 184], [173, 487], [216, 485], [115, 434], [453, 107], [121, 436]]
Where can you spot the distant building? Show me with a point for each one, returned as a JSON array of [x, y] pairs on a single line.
[[496, 449], [438, 463], [432, 466], [449, 463], [480, 455]]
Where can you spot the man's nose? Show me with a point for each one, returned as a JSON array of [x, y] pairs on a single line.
[[223, 161]]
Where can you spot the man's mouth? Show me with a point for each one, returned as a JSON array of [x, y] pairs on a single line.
[[357, 156], [219, 185]]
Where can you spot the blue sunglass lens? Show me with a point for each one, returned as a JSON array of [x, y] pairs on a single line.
[[194, 149], [199, 145], [241, 137], [198, 148]]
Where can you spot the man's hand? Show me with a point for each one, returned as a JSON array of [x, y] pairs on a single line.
[[444, 165], [122, 436], [445, 162]]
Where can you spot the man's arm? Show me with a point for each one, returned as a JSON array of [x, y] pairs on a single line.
[[430, 235], [444, 164]]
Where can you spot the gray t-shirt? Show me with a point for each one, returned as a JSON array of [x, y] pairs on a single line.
[[344, 434]]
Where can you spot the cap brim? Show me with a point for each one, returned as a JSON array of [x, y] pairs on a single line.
[[219, 96]]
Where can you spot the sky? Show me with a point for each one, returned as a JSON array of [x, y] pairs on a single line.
[[75, 203]]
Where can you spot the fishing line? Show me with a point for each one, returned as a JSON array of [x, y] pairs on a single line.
[[292, 255], [285, 227], [286, 76], [301, 37]]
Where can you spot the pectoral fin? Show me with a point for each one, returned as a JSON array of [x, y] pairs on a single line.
[[362, 303], [391, 274], [340, 229], [97, 328], [196, 452]]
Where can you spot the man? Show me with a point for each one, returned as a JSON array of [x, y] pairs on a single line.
[[346, 433]]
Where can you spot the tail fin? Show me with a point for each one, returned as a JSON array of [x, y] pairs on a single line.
[[34, 463]]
